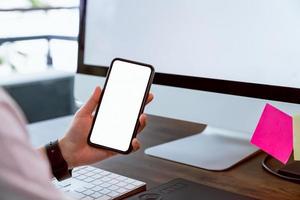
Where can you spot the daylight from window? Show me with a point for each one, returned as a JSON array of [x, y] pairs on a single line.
[[37, 35]]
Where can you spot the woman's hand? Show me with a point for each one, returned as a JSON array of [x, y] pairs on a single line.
[[74, 146]]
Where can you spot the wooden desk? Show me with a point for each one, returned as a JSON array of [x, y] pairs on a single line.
[[248, 178]]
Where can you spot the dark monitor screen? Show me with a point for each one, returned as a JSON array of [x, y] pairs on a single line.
[[241, 47]]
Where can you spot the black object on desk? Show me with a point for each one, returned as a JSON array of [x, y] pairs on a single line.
[[181, 189], [290, 171]]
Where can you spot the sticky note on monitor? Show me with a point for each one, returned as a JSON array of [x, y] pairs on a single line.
[[296, 138], [274, 133]]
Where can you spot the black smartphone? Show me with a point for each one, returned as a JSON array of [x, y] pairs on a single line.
[[122, 101]]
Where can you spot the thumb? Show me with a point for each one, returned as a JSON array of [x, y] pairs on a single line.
[[89, 107]]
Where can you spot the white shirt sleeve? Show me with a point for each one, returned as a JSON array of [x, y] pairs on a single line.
[[24, 173]]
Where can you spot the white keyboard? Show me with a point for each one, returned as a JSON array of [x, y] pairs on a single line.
[[89, 183]]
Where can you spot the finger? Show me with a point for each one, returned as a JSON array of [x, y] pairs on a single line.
[[91, 104], [150, 98], [142, 122], [135, 144]]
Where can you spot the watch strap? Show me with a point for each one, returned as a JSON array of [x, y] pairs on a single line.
[[59, 166]]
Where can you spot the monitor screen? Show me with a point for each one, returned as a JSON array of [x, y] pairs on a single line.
[[252, 42]]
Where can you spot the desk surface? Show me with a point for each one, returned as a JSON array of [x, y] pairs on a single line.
[[248, 178]]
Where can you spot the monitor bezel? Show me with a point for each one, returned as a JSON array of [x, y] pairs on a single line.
[[262, 91]]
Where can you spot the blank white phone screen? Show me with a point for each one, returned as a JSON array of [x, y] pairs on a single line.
[[120, 105]]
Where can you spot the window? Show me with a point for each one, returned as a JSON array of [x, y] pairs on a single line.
[[37, 35]]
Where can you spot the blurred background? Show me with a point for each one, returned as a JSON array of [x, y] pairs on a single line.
[[37, 35]]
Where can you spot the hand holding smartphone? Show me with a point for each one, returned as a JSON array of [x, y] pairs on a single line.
[[122, 102]]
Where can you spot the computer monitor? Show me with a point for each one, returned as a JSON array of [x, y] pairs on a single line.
[[235, 47]]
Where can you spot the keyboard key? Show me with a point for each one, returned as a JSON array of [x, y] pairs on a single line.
[[129, 180], [106, 179], [81, 172], [130, 187], [98, 182], [89, 174], [80, 189], [96, 195], [121, 184], [105, 173], [104, 191], [89, 169], [121, 178], [113, 181], [76, 195], [113, 175], [88, 180], [76, 175], [122, 190], [113, 187], [88, 192], [64, 183], [88, 185], [113, 194], [96, 176], [65, 189], [105, 185], [104, 197], [97, 188], [94, 169], [81, 177], [87, 198]]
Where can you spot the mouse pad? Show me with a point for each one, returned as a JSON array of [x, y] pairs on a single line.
[[181, 189]]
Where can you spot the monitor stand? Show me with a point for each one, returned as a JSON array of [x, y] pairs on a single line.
[[213, 149]]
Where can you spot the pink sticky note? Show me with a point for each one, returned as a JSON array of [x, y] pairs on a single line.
[[274, 133]]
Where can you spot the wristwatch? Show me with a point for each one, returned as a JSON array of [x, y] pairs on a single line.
[[59, 166]]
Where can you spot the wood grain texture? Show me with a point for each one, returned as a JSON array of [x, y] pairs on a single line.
[[247, 178]]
